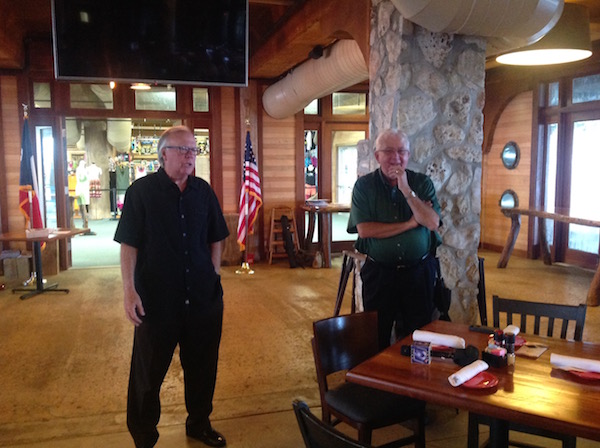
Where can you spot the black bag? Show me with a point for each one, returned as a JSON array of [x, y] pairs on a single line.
[[442, 296]]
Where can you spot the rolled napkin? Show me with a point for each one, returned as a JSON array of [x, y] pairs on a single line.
[[512, 329], [467, 372], [573, 363], [447, 340]]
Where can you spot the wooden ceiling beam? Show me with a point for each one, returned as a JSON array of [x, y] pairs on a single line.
[[317, 22]]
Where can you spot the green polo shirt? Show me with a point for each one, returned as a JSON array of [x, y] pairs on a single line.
[[374, 200]]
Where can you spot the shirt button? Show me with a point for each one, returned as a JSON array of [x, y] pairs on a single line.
[[182, 216], [184, 234], [187, 301], [187, 270]]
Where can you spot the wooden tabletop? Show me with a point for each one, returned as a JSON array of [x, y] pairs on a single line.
[[532, 393], [56, 234]]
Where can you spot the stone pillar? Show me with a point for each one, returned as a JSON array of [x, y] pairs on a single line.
[[431, 85]]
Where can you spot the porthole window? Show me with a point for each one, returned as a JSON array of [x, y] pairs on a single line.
[[510, 155], [509, 199]]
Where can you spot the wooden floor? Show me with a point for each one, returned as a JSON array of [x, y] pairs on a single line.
[[65, 358]]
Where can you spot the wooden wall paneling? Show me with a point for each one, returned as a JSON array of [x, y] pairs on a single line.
[[514, 124], [11, 136], [278, 165], [230, 151], [3, 184]]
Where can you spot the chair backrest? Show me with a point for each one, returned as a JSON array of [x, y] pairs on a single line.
[[317, 434], [550, 311], [342, 342]]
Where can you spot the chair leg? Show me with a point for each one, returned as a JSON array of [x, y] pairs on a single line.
[[420, 432], [364, 434], [569, 442], [347, 266]]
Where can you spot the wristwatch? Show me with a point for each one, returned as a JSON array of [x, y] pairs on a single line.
[[411, 195]]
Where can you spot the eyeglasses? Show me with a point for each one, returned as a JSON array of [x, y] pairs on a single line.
[[389, 152], [184, 150]]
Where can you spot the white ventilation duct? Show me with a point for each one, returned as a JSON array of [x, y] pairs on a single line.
[[342, 65], [507, 24]]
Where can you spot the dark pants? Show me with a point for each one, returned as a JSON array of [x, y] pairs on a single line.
[[198, 333], [400, 295]]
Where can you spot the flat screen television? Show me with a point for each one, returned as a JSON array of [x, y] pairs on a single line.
[[191, 42]]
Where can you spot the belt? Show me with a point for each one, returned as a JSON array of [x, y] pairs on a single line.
[[398, 267]]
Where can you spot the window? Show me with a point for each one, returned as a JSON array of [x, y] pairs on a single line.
[[586, 89], [157, 98], [200, 99], [42, 98], [312, 108], [349, 103], [91, 96], [553, 94]]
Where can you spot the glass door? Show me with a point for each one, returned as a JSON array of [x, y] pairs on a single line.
[[583, 242], [571, 186], [342, 141], [45, 174]]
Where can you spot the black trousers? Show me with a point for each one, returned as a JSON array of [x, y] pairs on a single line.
[[198, 333], [401, 295]]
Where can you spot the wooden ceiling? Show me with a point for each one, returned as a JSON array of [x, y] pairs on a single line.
[[281, 32]]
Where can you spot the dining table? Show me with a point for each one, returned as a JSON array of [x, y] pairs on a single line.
[[37, 238], [324, 211], [531, 392]]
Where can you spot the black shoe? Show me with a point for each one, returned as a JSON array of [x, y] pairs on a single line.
[[207, 436]]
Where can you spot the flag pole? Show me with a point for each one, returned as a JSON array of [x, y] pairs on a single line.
[[245, 268]]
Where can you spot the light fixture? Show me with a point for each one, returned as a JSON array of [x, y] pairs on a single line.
[[567, 41], [140, 86]]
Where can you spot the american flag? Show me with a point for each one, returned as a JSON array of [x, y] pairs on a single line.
[[250, 196], [29, 202]]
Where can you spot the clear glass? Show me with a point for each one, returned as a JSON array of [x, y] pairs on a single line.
[[157, 98], [585, 184], [311, 164], [91, 96], [586, 89], [46, 185], [312, 108], [344, 166], [508, 199], [42, 97], [550, 193], [553, 94], [349, 103], [200, 99], [203, 157]]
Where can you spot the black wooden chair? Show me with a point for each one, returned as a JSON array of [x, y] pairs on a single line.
[[317, 434], [340, 343], [544, 316]]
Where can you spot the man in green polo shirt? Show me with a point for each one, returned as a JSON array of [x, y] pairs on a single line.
[[395, 212]]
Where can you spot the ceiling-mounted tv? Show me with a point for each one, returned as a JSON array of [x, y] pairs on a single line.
[[159, 41]]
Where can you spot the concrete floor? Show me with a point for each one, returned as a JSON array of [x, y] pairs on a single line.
[[64, 359]]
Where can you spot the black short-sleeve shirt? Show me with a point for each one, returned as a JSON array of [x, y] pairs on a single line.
[[172, 231]]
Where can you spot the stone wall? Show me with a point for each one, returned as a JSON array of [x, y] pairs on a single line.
[[431, 85]]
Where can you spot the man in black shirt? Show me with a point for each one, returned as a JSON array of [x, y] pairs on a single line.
[[171, 232]]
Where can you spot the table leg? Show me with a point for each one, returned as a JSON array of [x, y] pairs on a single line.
[[593, 298], [310, 232], [326, 238], [498, 433], [510, 241], [544, 243], [39, 280]]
